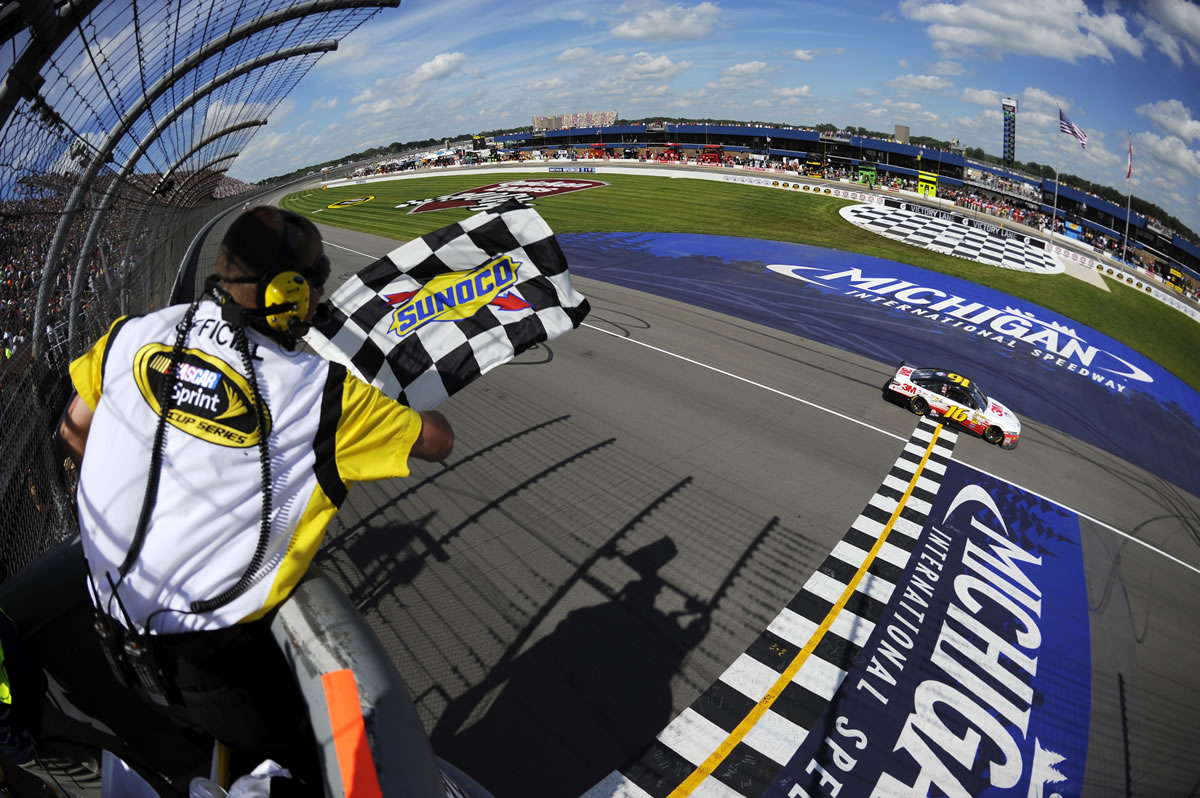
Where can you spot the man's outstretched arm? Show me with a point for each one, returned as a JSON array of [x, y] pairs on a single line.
[[436, 440], [74, 427]]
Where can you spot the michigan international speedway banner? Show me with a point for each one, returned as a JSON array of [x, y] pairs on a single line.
[[976, 680], [1044, 366]]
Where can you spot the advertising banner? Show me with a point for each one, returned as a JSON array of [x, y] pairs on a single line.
[[976, 680]]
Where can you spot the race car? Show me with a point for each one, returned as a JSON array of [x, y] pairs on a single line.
[[956, 399]]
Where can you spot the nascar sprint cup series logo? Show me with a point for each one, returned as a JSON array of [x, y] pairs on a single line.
[[209, 400], [489, 196]]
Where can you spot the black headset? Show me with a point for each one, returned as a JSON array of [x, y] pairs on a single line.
[[284, 290]]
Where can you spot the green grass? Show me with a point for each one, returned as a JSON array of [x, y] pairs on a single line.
[[635, 203]]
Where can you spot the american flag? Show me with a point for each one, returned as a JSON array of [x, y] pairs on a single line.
[[438, 312], [1072, 129], [1129, 169]]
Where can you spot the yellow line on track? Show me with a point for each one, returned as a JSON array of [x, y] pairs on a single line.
[[714, 760]]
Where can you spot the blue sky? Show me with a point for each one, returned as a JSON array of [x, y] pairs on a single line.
[[1120, 71]]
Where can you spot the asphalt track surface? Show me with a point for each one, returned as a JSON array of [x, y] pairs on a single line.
[[628, 507]]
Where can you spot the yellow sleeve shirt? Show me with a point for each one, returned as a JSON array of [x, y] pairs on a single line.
[[327, 430]]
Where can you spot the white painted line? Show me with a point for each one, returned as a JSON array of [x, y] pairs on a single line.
[[823, 409], [692, 736], [749, 382], [775, 737], [355, 251], [1095, 521]]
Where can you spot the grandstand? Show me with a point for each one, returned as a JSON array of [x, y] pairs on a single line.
[[842, 154]]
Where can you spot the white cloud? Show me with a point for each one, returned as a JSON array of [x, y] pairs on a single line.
[[347, 52], [440, 66], [808, 55], [575, 54], [747, 69], [903, 106], [324, 104], [362, 97], [670, 23], [793, 93], [1170, 151], [549, 84], [920, 83], [1039, 98], [644, 66], [949, 68], [1174, 27], [988, 97], [1172, 117], [1065, 29], [903, 63], [221, 114], [384, 105], [864, 92]]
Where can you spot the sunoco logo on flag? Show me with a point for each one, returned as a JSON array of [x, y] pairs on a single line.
[[450, 297], [496, 194], [432, 316]]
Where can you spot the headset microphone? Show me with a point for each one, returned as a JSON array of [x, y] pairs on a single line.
[[284, 291]]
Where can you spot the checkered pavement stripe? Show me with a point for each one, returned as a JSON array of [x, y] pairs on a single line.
[[683, 759], [948, 238]]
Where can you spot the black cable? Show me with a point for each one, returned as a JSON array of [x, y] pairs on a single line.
[[165, 400], [264, 457]]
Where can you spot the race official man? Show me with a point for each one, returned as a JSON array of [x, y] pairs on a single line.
[[216, 454]]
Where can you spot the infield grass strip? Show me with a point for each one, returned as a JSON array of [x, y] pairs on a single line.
[[644, 204]]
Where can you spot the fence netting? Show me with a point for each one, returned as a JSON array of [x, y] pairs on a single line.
[[119, 120]]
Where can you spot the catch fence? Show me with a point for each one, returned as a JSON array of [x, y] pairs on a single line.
[[118, 122]]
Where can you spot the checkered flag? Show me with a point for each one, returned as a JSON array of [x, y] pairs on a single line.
[[436, 313]]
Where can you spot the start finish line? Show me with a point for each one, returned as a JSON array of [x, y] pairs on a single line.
[[976, 681], [943, 645]]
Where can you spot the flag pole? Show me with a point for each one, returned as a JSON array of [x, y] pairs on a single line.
[[1057, 144], [1128, 201]]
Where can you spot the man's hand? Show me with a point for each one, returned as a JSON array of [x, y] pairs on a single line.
[[436, 440], [74, 427]]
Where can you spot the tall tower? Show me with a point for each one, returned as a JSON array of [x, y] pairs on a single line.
[[1009, 108]]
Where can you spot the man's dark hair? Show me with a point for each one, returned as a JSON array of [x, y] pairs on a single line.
[[265, 236]]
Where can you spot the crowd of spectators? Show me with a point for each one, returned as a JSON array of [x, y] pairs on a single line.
[[28, 227], [1004, 184]]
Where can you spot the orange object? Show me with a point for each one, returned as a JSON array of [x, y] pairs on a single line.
[[357, 767]]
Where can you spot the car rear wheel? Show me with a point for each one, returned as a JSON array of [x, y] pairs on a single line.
[[993, 434], [918, 406]]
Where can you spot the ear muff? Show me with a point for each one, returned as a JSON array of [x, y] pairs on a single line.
[[284, 292], [284, 295]]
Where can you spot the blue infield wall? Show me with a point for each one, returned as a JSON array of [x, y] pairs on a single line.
[[1043, 366]]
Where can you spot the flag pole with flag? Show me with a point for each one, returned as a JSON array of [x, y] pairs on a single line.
[[1070, 128], [1054, 213], [1128, 198], [435, 314]]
